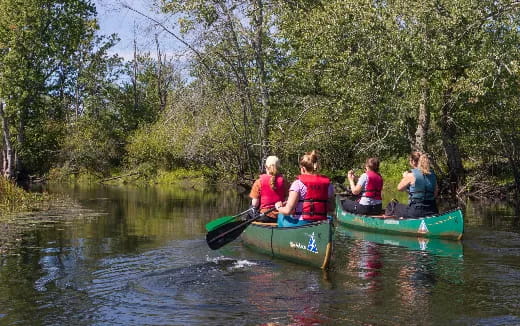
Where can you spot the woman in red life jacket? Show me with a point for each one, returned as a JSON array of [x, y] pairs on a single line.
[[311, 195], [369, 186], [268, 189]]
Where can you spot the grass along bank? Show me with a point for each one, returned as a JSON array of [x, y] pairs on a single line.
[[14, 199]]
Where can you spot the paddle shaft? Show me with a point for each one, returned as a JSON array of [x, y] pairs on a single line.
[[223, 234], [244, 212]]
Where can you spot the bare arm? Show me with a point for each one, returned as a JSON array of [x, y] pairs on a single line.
[[407, 180], [255, 194], [356, 189], [255, 202], [290, 205]]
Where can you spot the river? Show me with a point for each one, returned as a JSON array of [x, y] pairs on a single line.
[[138, 256]]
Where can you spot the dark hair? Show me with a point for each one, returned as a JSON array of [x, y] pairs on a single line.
[[373, 164]]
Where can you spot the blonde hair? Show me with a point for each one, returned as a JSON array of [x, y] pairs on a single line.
[[310, 161], [422, 161], [272, 164]]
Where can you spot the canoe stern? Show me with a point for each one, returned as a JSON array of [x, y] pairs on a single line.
[[309, 244]]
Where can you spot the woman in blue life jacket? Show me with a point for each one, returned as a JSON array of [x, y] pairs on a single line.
[[311, 195], [421, 184], [369, 186]]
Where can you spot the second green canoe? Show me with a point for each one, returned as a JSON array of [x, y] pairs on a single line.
[[448, 225]]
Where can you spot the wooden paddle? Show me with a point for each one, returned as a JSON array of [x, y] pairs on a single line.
[[230, 231], [225, 220]]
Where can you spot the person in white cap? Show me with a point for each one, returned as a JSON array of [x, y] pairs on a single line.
[[270, 188]]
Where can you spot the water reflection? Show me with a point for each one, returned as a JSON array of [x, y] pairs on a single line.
[[365, 261], [415, 279], [401, 270], [436, 247], [142, 259]]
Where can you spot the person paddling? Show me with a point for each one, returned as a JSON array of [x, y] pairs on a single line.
[[311, 195], [269, 188], [421, 184], [369, 186]]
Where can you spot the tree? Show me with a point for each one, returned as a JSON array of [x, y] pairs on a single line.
[[233, 56], [416, 64], [38, 40]]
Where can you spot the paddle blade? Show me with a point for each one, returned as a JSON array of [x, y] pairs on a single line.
[[225, 234], [220, 222], [213, 225]]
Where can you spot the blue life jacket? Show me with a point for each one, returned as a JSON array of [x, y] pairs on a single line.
[[424, 187]]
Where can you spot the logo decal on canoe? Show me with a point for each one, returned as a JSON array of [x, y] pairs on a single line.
[[311, 246], [423, 228]]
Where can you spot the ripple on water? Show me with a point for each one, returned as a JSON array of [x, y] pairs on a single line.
[[494, 321], [147, 289]]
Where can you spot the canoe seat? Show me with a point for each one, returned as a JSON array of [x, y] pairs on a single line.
[[383, 216], [265, 223]]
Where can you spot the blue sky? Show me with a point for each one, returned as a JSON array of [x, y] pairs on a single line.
[[114, 18]]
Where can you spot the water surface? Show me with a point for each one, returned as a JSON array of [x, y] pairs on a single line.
[[139, 258]]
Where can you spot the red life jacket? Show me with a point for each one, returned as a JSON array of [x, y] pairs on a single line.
[[315, 203], [374, 186], [268, 195]]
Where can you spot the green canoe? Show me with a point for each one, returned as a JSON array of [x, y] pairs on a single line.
[[448, 225], [309, 244], [438, 247]]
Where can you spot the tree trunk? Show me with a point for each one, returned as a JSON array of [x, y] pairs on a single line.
[[9, 156], [423, 119], [513, 162], [135, 71], [456, 173], [516, 174], [243, 86], [19, 169], [161, 85], [516, 201], [264, 92]]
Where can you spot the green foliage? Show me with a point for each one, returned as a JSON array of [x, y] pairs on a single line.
[[15, 199], [38, 41], [93, 145], [187, 177], [153, 144], [351, 79]]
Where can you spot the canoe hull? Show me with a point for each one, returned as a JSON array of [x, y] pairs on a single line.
[[309, 244], [448, 225]]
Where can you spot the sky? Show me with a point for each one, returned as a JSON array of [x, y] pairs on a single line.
[[113, 17]]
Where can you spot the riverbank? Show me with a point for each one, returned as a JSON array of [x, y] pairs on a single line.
[[197, 179], [479, 183], [14, 199], [21, 211]]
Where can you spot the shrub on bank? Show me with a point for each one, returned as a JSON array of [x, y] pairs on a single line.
[[15, 199]]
